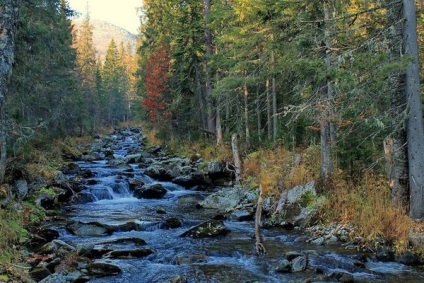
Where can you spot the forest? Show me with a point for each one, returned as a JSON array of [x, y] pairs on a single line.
[[283, 92]]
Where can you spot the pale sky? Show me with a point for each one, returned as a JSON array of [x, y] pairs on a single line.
[[122, 13]]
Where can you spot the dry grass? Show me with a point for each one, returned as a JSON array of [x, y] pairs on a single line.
[[275, 171], [367, 206]]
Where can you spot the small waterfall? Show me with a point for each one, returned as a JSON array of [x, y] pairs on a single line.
[[117, 190]]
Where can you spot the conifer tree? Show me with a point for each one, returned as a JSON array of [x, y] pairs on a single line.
[[86, 60]]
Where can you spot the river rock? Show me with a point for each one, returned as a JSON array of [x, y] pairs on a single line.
[[243, 215], [45, 200], [283, 266], [216, 169], [127, 254], [342, 276], [155, 191], [159, 172], [137, 241], [132, 184], [83, 197], [40, 236], [101, 269], [55, 247], [133, 158], [225, 199], [178, 279], [385, 254], [210, 228], [90, 157], [295, 194], [292, 262], [89, 229], [21, 188], [191, 180], [171, 223], [39, 274], [71, 168], [190, 259], [299, 263], [410, 259]]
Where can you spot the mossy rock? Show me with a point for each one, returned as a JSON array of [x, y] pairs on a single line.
[[208, 229]]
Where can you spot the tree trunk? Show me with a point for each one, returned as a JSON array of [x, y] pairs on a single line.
[[200, 94], [396, 146], [326, 102], [260, 248], [415, 130], [208, 43], [274, 103], [268, 110], [236, 157], [246, 114], [219, 137], [9, 14], [258, 115]]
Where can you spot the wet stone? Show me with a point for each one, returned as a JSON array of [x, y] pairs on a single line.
[[89, 229], [100, 269], [127, 254], [156, 191], [211, 228]]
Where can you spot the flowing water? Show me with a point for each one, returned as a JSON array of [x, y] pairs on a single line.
[[224, 259]]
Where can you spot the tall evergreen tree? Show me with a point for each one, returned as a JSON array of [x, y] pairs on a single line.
[[86, 60], [9, 13], [114, 83]]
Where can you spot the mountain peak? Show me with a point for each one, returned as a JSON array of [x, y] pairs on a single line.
[[104, 32]]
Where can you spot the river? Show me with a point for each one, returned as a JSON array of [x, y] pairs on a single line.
[[229, 258]]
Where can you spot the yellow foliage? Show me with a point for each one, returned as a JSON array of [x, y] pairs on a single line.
[[367, 206]]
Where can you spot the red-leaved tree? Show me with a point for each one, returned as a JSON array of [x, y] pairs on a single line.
[[156, 83]]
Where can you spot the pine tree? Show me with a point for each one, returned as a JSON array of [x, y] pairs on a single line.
[[114, 83], [86, 60]]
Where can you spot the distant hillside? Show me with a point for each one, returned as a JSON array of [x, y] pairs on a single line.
[[103, 32]]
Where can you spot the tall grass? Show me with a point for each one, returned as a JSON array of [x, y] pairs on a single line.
[[368, 207]]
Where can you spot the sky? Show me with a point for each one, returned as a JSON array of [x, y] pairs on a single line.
[[122, 13]]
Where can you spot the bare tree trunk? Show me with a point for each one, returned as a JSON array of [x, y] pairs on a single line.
[[219, 138], [236, 157], [208, 42], [200, 94], [274, 103], [326, 101], [415, 130], [268, 110], [396, 146], [258, 115], [246, 114], [9, 14], [260, 248]]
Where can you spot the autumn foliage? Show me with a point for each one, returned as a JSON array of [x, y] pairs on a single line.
[[157, 99]]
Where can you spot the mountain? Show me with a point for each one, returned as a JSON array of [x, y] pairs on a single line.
[[103, 32]]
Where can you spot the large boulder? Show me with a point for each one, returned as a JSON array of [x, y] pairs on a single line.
[[225, 199], [296, 194], [155, 191], [208, 229], [191, 180], [159, 172]]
